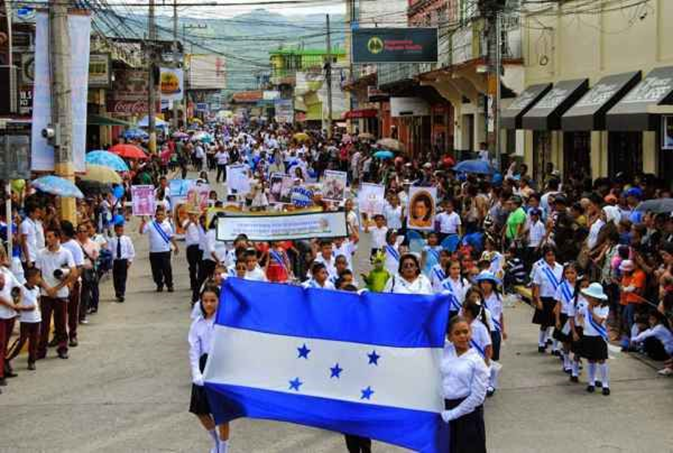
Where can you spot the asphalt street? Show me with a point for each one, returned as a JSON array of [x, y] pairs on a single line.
[[126, 388]]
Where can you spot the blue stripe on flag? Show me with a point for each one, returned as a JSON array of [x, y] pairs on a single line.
[[417, 430], [370, 318]]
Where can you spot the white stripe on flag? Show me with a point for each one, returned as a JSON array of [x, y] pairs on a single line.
[[269, 362]]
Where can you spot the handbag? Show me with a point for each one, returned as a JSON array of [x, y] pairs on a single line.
[[89, 275]]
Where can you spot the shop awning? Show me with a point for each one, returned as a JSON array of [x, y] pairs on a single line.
[[634, 112], [362, 113], [99, 120], [546, 114], [510, 118], [588, 114]]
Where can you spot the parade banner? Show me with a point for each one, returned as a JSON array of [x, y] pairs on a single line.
[[334, 185], [197, 195], [422, 210], [266, 227], [363, 364], [179, 189], [280, 188], [301, 197], [143, 201], [42, 153], [371, 199], [237, 179]]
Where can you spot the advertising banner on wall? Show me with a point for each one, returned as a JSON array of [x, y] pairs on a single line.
[[394, 45], [207, 72], [100, 70], [284, 110], [171, 84], [79, 27]]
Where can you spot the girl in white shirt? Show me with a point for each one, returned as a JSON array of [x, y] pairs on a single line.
[[464, 382], [200, 340], [493, 301], [576, 326], [564, 305], [409, 279], [481, 331], [595, 336], [457, 285], [391, 252]]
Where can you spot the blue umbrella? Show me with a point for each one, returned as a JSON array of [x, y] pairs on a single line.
[[135, 133], [474, 166], [383, 154], [57, 186], [106, 159]]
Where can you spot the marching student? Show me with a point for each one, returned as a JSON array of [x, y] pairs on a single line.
[[346, 247], [547, 277], [379, 232], [408, 278], [8, 308], [200, 340], [457, 285], [576, 326], [564, 306], [431, 254], [254, 271], [194, 254], [326, 257], [278, 267], [162, 241], [488, 283], [438, 271], [448, 221], [319, 277], [123, 253], [340, 266], [481, 340], [391, 252], [464, 382], [74, 298], [595, 336], [30, 317]]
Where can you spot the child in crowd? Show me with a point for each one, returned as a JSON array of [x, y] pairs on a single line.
[[595, 336], [515, 270], [564, 306], [488, 284], [481, 335], [438, 271], [30, 317], [431, 254], [448, 222], [379, 233], [457, 285], [319, 277], [326, 257], [391, 252], [254, 271], [278, 267], [657, 340]]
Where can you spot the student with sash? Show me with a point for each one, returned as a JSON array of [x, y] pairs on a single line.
[[326, 257], [575, 318], [319, 277], [162, 242], [595, 336], [457, 285], [488, 284], [547, 277], [430, 255], [278, 265], [481, 340], [438, 272], [564, 305], [391, 252]]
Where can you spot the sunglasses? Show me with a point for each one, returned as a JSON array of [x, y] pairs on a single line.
[[409, 265]]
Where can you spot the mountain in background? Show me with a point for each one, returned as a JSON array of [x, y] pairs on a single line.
[[244, 40]]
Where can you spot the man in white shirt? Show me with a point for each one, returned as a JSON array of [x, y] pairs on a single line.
[[194, 253], [123, 253], [58, 273], [162, 242], [28, 231], [449, 222], [74, 297], [222, 158]]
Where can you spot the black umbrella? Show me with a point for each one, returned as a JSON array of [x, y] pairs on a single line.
[[656, 205]]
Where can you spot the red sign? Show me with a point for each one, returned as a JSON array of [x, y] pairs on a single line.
[[129, 108], [364, 113]]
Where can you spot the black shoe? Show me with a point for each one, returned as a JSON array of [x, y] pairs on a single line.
[[120, 299], [556, 353], [63, 355], [568, 371], [171, 289], [541, 349], [606, 391], [550, 341], [31, 366], [599, 384], [53, 343], [574, 379], [73, 343], [9, 373], [3, 382], [591, 388], [160, 289], [490, 393]]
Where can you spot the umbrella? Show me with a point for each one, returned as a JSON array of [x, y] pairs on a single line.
[[158, 122], [203, 136], [57, 186], [474, 166], [664, 205], [180, 134], [128, 151], [391, 144], [102, 174], [383, 154], [135, 133], [106, 159], [195, 120], [91, 188], [301, 137], [366, 136]]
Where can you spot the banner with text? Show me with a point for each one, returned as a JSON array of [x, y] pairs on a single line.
[[394, 45], [283, 227]]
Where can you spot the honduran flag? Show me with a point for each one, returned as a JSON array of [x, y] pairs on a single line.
[[367, 364]]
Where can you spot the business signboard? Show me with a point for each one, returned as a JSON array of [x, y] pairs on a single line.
[[100, 68], [207, 72], [171, 84], [408, 106], [14, 157], [394, 45], [284, 110]]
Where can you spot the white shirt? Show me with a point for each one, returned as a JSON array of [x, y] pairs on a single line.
[[661, 333], [192, 235], [29, 228], [157, 242], [577, 311], [594, 229], [397, 285], [329, 264], [540, 278], [48, 261], [464, 376], [314, 284], [222, 158], [599, 311], [536, 232], [214, 247], [128, 251], [457, 287], [392, 258], [437, 276], [494, 304], [30, 298], [449, 223], [346, 249], [564, 295], [393, 216], [200, 340], [73, 247], [480, 335], [257, 274], [378, 236], [6, 293], [40, 235]]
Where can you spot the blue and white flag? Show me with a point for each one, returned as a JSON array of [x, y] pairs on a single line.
[[364, 364]]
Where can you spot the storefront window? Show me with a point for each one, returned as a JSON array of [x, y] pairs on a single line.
[[577, 155], [625, 153], [541, 153]]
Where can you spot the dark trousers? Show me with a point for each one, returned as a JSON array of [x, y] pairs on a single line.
[[73, 309], [162, 272], [6, 327], [221, 171], [29, 332], [194, 255], [206, 270], [59, 309], [119, 276], [85, 298], [357, 444]]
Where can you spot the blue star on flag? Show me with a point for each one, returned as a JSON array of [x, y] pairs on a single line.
[[303, 352], [295, 384], [336, 371], [374, 358], [367, 393]]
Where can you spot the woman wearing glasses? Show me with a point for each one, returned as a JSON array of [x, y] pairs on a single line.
[[409, 279]]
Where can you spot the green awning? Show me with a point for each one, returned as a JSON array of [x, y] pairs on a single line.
[[99, 120]]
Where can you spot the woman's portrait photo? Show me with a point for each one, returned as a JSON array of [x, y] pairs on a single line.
[[421, 208]]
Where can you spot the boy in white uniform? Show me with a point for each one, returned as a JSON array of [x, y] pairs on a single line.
[[30, 317]]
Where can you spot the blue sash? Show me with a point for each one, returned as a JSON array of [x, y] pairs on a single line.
[[277, 257], [161, 232], [434, 253], [566, 292], [602, 331], [392, 252], [455, 304], [496, 324], [479, 349], [439, 273], [550, 276]]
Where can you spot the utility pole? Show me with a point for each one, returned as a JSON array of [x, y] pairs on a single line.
[[61, 106], [328, 79], [152, 95], [498, 75], [175, 60]]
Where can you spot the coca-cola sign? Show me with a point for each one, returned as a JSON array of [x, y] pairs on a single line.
[[129, 108]]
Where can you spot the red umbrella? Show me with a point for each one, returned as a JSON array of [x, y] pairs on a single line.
[[128, 151]]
